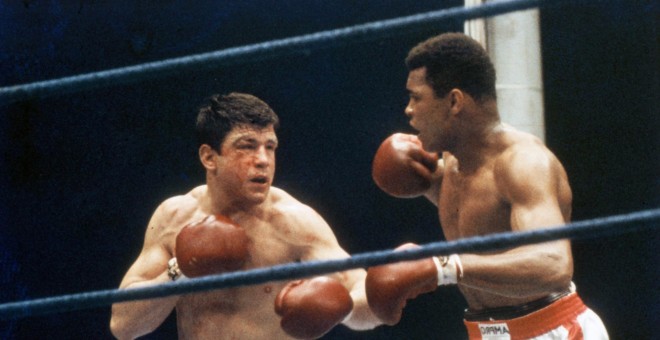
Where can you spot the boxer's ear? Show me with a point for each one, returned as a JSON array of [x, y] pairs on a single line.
[[207, 156]]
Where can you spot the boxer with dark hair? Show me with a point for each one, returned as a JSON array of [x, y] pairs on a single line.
[[485, 177], [238, 221]]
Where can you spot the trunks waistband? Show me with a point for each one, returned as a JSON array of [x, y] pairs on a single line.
[[562, 311], [511, 312]]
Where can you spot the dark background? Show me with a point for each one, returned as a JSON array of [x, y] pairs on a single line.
[[82, 173]]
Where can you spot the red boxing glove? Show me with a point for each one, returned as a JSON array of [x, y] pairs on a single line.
[[390, 286], [401, 168], [311, 308], [211, 246]]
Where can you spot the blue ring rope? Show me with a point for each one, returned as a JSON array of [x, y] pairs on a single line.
[[598, 227], [259, 51]]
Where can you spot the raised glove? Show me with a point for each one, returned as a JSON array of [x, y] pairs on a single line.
[[389, 286], [213, 245], [401, 168]]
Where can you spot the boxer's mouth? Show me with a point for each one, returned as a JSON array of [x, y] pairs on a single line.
[[259, 179]]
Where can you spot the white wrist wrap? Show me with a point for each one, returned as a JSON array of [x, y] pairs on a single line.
[[450, 269], [173, 270]]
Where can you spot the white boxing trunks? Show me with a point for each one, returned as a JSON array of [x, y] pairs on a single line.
[[567, 318]]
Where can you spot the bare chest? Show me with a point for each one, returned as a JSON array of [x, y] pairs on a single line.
[[471, 204], [234, 310], [232, 313]]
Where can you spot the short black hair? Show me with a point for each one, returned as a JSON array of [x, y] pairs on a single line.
[[224, 112], [454, 60]]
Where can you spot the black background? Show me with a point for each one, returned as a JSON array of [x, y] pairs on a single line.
[[82, 173]]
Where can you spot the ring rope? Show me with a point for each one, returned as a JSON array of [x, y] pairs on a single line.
[[258, 51], [593, 228]]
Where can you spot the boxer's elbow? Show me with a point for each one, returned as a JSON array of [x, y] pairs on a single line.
[[122, 329], [119, 329]]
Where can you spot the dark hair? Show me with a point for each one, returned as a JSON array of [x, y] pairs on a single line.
[[224, 112], [454, 60]]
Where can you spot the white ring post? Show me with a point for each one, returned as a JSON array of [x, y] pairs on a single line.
[[513, 41]]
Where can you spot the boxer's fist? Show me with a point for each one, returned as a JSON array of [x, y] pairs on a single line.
[[311, 308], [402, 168], [390, 286], [211, 246]]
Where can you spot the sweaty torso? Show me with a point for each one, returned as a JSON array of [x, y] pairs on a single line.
[[471, 204], [245, 312]]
